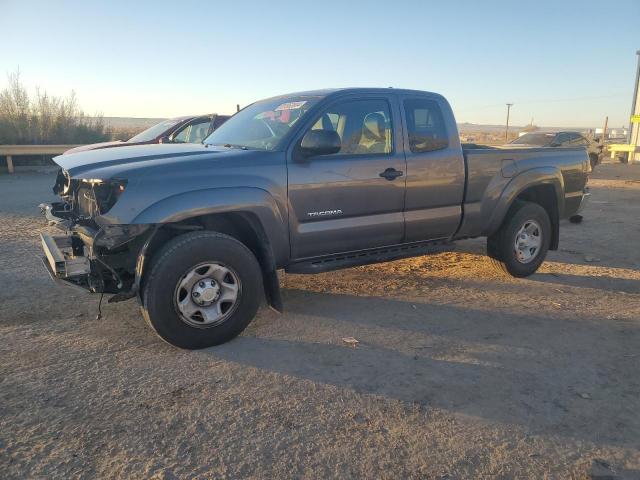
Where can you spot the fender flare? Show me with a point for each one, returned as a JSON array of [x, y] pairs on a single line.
[[247, 200], [547, 175]]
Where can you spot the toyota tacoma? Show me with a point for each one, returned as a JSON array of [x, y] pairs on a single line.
[[306, 182]]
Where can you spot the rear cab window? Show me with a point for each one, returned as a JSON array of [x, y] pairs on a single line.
[[426, 129]]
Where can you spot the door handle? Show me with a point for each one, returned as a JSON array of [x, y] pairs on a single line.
[[391, 174]]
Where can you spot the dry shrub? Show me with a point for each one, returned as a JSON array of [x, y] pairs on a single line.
[[44, 118]]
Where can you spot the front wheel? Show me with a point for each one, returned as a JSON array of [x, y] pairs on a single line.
[[203, 289], [520, 245]]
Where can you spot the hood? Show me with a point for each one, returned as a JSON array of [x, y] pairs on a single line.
[[107, 163], [93, 146]]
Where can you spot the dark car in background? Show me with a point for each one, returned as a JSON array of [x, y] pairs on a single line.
[[187, 129], [561, 139]]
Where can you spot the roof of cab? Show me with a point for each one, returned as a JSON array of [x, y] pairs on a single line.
[[326, 92]]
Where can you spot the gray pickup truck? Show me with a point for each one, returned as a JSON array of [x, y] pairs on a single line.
[[306, 182]]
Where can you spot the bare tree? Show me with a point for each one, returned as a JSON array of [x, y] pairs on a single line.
[[44, 118]]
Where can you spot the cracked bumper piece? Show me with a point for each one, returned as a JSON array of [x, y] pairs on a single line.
[[64, 262]]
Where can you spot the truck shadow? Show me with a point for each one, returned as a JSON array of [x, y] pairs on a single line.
[[601, 282], [549, 375], [600, 275]]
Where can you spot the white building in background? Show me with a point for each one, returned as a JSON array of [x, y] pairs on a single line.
[[614, 133]]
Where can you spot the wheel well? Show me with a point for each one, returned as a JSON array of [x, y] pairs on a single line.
[[545, 196], [236, 225], [243, 226]]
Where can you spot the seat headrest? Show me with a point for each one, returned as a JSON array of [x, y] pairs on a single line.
[[374, 126]]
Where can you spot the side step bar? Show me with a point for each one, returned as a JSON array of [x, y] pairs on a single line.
[[365, 257]]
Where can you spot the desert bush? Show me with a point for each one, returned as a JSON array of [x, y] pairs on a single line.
[[44, 118], [124, 134]]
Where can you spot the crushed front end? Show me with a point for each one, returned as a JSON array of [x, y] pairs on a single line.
[[88, 253]]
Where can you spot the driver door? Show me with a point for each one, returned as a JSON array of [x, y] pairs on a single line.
[[353, 199]]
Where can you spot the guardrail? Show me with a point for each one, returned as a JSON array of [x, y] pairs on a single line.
[[615, 148], [11, 151]]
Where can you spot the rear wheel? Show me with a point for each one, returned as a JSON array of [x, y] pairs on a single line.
[[203, 289], [520, 245]]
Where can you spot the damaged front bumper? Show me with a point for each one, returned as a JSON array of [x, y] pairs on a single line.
[[99, 259], [62, 264]]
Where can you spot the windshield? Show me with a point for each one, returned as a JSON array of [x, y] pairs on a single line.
[[153, 132], [539, 139], [262, 125]]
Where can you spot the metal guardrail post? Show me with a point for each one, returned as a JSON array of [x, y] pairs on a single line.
[[10, 151]]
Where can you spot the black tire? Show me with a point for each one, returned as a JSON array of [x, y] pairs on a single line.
[[501, 245], [171, 264]]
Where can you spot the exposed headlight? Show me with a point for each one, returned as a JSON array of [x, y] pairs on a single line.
[[92, 181], [96, 196]]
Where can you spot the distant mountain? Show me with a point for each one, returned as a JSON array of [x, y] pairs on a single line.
[[475, 127], [130, 123]]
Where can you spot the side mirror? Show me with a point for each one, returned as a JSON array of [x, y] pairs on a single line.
[[165, 140], [320, 142]]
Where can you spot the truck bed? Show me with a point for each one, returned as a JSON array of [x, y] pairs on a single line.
[[491, 169]]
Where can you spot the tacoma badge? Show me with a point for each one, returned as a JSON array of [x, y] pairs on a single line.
[[325, 213]]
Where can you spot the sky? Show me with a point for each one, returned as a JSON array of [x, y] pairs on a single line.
[[561, 63]]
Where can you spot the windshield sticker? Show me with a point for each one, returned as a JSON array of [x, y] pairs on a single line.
[[290, 106]]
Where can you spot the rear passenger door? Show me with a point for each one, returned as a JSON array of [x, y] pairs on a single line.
[[435, 169], [353, 199]]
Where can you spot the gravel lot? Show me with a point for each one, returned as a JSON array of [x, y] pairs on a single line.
[[460, 371]]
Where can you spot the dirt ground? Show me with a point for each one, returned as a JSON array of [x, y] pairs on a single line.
[[460, 372]]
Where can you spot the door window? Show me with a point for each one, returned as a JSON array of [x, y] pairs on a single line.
[[578, 140], [561, 139], [364, 126], [193, 133], [425, 125]]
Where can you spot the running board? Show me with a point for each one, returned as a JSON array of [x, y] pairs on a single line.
[[366, 257]]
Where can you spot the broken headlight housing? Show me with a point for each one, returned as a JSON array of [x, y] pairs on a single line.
[[96, 196]]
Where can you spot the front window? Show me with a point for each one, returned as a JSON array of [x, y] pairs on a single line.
[[580, 140], [262, 125], [537, 139], [153, 132], [364, 126], [193, 133]]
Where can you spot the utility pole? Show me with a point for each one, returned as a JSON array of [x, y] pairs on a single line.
[[603, 137], [506, 130]]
